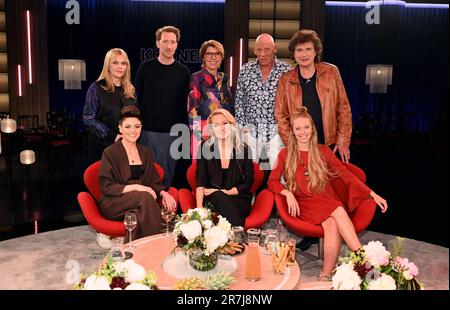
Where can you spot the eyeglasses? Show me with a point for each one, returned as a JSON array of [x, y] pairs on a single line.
[[211, 54]]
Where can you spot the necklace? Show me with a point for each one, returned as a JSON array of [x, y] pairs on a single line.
[[305, 169], [133, 155], [307, 80]]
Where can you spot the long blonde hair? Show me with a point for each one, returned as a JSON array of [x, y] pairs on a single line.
[[128, 88], [317, 169], [237, 144]]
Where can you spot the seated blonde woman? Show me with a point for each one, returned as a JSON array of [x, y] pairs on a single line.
[[225, 170], [308, 168]]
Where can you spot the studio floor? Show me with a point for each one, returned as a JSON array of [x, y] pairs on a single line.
[[43, 261]]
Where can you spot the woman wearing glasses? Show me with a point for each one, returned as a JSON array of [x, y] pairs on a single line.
[[209, 90]]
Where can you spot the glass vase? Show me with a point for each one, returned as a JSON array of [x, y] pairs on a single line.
[[202, 262]]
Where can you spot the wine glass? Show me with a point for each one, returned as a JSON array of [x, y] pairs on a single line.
[[167, 215], [130, 222]]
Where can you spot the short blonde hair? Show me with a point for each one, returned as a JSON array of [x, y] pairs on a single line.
[[211, 43]]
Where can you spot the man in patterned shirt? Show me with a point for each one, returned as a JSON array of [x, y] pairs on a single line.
[[255, 99]]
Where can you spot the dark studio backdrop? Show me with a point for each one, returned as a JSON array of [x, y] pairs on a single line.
[[399, 138], [413, 40], [130, 25]]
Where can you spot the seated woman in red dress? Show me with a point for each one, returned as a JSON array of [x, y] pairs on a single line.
[[308, 168]]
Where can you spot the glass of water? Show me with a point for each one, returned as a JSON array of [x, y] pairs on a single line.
[[116, 249], [130, 222]]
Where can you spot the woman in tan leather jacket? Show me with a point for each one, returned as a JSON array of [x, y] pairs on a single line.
[[318, 86]]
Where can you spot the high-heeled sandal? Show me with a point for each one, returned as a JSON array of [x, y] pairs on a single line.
[[323, 277]]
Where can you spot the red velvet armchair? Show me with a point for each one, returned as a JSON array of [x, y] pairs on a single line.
[[262, 206], [361, 216], [89, 202]]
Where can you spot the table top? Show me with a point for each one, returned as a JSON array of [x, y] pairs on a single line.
[[151, 251]]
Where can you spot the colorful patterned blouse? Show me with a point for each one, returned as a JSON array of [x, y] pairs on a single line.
[[208, 94]]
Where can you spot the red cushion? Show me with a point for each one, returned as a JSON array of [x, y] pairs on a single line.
[[90, 208], [187, 200], [96, 220], [261, 209], [361, 217], [91, 179], [59, 142], [257, 172]]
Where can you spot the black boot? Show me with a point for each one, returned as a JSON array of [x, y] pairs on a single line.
[[305, 243]]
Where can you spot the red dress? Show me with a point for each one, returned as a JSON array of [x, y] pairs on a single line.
[[317, 207]]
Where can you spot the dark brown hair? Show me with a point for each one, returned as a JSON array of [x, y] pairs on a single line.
[[129, 111], [303, 36]]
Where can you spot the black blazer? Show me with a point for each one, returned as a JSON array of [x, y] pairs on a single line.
[[240, 170]]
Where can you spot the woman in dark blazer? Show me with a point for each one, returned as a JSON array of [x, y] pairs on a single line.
[[225, 170]]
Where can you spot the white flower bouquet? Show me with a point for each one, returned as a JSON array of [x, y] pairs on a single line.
[[374, 268], [125, 275], [201, 233]]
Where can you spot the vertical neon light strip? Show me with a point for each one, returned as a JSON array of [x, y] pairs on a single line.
[[19, 79], [30, 69], [231, 71], [240, 53]]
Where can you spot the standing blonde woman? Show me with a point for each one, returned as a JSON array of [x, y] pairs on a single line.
[[225, 170], [308, 168], [104, 99]]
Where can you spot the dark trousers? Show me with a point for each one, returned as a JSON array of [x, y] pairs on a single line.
[[95, 147], [148, 212], [159, 143], [234, 208]]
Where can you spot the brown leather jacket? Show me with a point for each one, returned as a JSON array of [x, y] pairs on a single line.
[[336, 112]]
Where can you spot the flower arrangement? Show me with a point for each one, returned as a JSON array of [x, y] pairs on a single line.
[[201, 234], [125, 275], [374, 268]]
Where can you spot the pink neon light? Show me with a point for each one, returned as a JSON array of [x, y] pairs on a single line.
[[19, 79], [240, 53], [231, 71], [30, 69]]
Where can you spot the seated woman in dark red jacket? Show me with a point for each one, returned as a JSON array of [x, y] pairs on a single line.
[[129, 181], [225, 170], [308, 168]]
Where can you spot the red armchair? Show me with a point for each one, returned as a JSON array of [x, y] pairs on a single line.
[[89, 202], [261, 209], [361, 216]]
